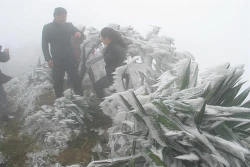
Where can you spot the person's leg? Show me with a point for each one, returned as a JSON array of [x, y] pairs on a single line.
[[3, 105], [3, 98], [72, 71], [58, 80], [100, 85]]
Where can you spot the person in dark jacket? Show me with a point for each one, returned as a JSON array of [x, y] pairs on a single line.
[[114, 56], [4, 57], [58, 34]]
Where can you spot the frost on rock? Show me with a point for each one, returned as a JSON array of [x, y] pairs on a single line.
[[53, 126], [30, 90], [40, 158], [2, 159]]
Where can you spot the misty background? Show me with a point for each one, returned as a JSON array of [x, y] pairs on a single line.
[[214, 31]]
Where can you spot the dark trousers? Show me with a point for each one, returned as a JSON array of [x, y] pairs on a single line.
[[3, 102], [101, 84], [59, 69]]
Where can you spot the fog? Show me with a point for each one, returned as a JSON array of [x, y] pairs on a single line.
[[213, 31]]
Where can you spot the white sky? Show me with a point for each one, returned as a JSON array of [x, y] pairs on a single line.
[[213, 31]]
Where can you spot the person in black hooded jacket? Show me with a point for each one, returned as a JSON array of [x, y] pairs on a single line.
[[114, 56], [4, 57], [58, 34]]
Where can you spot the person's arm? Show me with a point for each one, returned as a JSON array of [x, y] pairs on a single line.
[[77, 33], [4, 57], [114, 53], [120, 54], [45, 45], [74, 29], [114, 59]]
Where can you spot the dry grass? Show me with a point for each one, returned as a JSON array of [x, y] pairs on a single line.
[[13, 146], [79, 150]]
